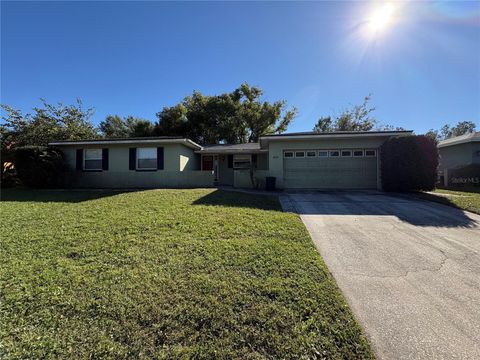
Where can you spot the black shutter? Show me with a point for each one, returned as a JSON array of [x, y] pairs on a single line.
[[230, 161], [160, 158], [79, 159], [254, 159], [132, 158], [104, 159]]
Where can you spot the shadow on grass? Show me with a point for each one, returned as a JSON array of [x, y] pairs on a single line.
[[443, 199], [50, 195], [238, 199]]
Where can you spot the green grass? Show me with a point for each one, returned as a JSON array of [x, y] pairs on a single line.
[[466, 200], [165, 274]]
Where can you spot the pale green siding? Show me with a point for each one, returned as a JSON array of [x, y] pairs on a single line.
[[181, 168], [242, 179], [225, 174], [143, 179], [262, 161]]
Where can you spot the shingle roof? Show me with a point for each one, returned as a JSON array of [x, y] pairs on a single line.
[[312, 133], [131, 140], [228, 149]]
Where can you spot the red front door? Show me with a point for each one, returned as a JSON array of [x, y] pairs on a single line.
[[207, 163]]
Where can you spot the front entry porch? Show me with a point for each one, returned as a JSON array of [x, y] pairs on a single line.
[[246, 170]]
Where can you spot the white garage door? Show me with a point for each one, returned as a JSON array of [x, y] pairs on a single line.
[[330, 169]]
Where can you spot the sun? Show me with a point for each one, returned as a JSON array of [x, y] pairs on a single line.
[[381, 18]]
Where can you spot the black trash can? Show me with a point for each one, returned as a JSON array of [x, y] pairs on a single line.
[[270, 183]]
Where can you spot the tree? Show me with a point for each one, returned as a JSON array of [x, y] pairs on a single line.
[[358, 118], [462, 128], [409, 163], [447, 131], [114, 126], [140, 127], [324, 124], [262, 118], [48, 123], [40, 166], [236, 117]]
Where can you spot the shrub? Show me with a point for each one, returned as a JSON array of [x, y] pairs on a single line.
[[409, 163], [40, 167]]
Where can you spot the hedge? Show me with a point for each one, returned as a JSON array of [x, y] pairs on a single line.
[[409, 163], [39, 166]]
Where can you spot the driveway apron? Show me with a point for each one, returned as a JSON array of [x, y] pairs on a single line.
[[410, 269]]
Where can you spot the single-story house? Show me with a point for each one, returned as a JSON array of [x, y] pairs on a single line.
[[458, 152], [337, 160]]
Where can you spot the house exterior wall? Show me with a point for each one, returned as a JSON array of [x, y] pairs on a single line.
[[262, 161], [242, 178], [225, 173], [459, 155], [181, 169], [277, 147]]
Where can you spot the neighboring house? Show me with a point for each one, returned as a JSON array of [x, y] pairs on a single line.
[[458, 152], [338, 160]]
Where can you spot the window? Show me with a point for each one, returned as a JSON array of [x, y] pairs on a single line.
[[93, 159], [346, 153], [311, 153], [357, 153], [288, 154], [147, 158], [370, 153], [334, 153], [300, 154], [322, 153], [241, 161]]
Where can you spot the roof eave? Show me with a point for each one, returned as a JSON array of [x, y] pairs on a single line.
[[186, 142], [207, 151], [458, 142]]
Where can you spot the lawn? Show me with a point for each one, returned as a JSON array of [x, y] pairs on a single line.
[[466, 200], [165, 274]]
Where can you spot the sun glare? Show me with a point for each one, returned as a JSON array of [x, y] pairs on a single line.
[[381, 18]]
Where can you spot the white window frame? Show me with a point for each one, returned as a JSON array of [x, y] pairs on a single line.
[[138, 158], [242, 158], [374, 153], [97, 158], [288, 152], [323, 151], [330, 153], [300, 151], [310, 151], [353, 153], [350, 151]]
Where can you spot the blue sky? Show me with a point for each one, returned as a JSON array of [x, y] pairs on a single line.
[[128, 58]]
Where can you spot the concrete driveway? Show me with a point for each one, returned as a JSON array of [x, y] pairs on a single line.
[[410, 269]]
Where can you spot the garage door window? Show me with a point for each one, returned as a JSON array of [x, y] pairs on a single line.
[[299, 154], [334, 153], [346, 153], [357, 153], [370, 153], [311, 153], [288, 154], [322, 153]]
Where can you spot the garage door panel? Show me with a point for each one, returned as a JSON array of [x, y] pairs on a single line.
[[330, 173]]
